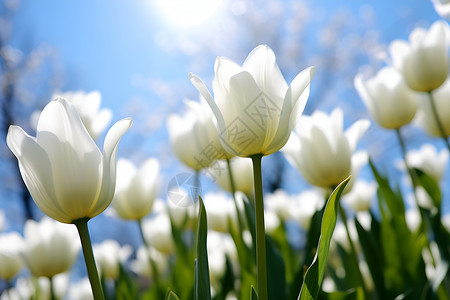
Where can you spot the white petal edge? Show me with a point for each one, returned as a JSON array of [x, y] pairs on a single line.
[[355, 132]]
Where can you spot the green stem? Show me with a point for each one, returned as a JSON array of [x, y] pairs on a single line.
[[438, 121], [52, 288], [261, 270], [147, 249], [86, 245], [233, 191], [353, 250]]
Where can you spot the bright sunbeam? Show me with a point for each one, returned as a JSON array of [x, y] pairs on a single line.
[[188, 13]]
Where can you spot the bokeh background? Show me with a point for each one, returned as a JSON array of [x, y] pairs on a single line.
[[138, 55]]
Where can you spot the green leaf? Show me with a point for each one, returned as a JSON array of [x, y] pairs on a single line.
[[171, 295], [202, 285], [314, 274], [253, 295], [276, 278]]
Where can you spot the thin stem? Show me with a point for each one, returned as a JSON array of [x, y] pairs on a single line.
[[52, 288], [438, 121], [352, 249], [233, 191], [86, 245], [261, 270]]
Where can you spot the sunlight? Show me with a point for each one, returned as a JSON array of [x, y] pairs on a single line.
[[188, 13]]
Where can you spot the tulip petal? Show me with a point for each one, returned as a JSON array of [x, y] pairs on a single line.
[[261, 64], [36, 171], [293, 106], [108, 183], [355, 132]]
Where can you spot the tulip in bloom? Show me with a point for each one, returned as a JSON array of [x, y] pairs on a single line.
[[109, 255], [194, 138], [219, 209], [50, 247], [429, 160], [424, 60], [303, 206], [242, 171], [136, 189], [141, 264], [88, 106], [321, 150], [254, 107], [361, 196], [11, 247], [425, 117], [65, 172], [158, 233], [389, 100]]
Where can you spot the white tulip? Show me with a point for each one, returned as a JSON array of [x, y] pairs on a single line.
[[321, 150], [50, 247], [442, 7], [304, 206], [194, 138], [81, 290], [219, 246], [254, 107], [388, 99], [11, 247], [429, 160], [242, 170], [425, 117], [158, 233], [219, 210], [65, 172], [424, 60], [141, 265], [88, 106], [135, 189], [361, 196], [279, 203], [109, 255]]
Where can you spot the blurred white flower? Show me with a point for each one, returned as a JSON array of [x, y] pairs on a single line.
[[220, 209], [11, 247], [390, 102], [442, 7], [340, 235], [65, 172], [242, 170], [88, 106], [60, 286], [305, 205], [81, 290], [321, 150], [445, 219], [219, 245], [412, 219], [279, 202], [425, 117], [135, 189], [271, 221], [50, 247], [194, 138], [142, 266], [158, 232], [429, 160], [22, 290], [109, 255], [423, 60], [254, 107], [361, 196]]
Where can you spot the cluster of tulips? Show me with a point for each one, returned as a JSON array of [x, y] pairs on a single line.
[[237, 244]]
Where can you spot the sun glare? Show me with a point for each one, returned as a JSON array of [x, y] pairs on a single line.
[[188, 12]]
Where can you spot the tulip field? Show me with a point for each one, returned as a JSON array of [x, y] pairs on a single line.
[[273, 194]]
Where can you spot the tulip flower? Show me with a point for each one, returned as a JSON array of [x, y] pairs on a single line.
[[109, 255], [426, 118], [304, 206], [157, 232], [68, 177], [88, 106], [220, 210], [424, 60], [136, 189], [194, 138], [389, 100], [361, 196], [254, 108], [11, 247], [142, 266], [50, 247], [321, 150], [242, 171], [429, 160], [442, 7], [62, 167]]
